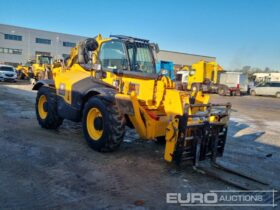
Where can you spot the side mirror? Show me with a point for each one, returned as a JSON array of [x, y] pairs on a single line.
[[91, 44]]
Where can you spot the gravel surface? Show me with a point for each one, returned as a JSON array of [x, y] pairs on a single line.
[[42, 169]]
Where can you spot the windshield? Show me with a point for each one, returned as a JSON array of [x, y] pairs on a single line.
[[178, 77], [141, 58], [45, 60], [28, 64], [113, 56], [262, 84], [6, 68]]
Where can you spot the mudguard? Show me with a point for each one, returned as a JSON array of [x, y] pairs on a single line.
[[84, 89], [40, 83]]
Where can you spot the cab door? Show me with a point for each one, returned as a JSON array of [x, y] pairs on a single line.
[[114, 55], [263, 89]]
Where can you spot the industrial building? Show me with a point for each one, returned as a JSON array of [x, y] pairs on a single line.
[[180, 59], [19, 44]]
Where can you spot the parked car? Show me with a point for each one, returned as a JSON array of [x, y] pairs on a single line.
[[7, 73], [267, 89]]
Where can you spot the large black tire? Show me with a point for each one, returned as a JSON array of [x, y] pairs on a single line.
[[111, 123], [160, 140], [52, 119]]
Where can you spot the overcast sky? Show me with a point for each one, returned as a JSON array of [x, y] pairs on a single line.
[[237, 32]]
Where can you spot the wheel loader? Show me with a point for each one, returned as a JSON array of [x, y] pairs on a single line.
[[40, 68], [110, 83], [22, 70]]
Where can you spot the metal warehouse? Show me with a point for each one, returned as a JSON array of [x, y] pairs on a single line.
[[19, 44]]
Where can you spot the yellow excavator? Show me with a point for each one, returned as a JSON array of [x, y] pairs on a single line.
[[110, 83]]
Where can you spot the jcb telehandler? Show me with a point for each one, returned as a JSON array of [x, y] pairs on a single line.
[[110, 83]]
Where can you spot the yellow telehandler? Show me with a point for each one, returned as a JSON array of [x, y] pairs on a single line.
[[110, 83]]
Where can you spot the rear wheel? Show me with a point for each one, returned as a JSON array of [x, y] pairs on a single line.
[[46, 108], [103, 125], [222, 91]]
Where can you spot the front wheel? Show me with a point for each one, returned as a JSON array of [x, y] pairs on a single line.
[[222, 91], [46, 108], [253, 93], [103, 125]]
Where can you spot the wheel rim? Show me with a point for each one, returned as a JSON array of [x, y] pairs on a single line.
[[41, 107], [94, 124]]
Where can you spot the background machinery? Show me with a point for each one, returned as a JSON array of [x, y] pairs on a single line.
[[210, 77], [201, 75], [166, 68], [110, 83], [40, 68], [22, 70]]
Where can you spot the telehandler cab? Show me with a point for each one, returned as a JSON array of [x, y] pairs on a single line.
[[110, 83]]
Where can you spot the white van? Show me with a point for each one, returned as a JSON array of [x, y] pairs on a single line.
[[267, 89]]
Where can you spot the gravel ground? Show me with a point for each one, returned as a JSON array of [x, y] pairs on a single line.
[[42, 169]]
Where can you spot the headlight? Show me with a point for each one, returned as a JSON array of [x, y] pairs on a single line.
[[1, 74]]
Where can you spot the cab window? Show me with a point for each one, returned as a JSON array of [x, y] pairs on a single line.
[[112, 55], [179, 77], [45, 60], [263, 85], [267, 85], [141, 58], [275, 84]]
